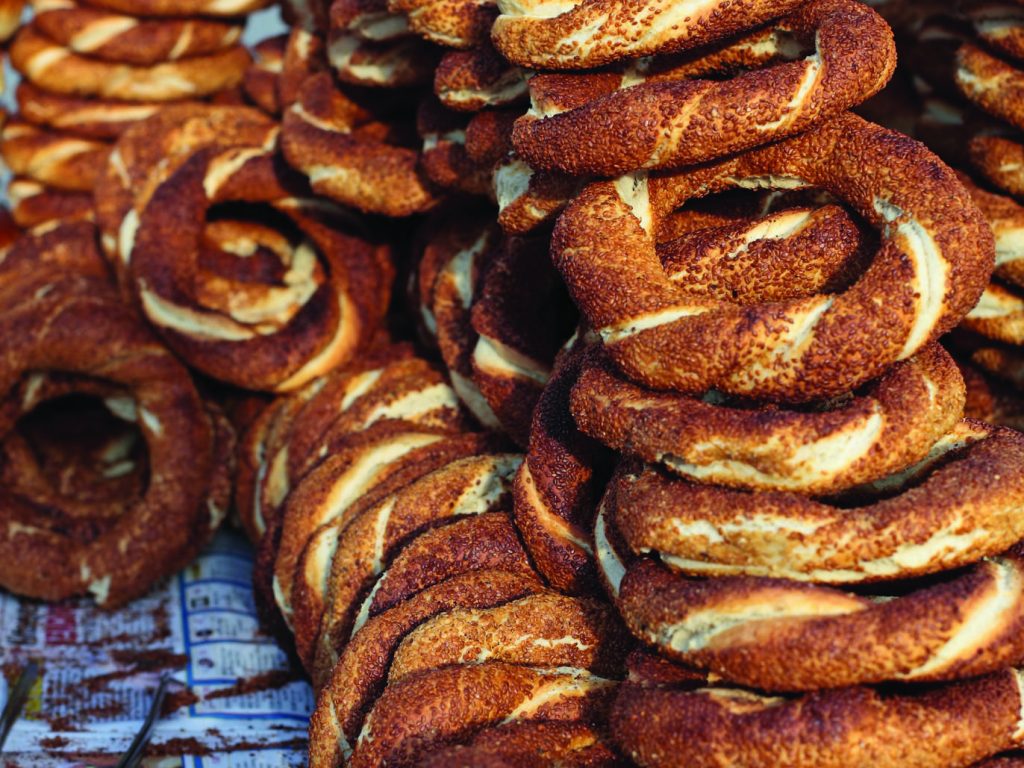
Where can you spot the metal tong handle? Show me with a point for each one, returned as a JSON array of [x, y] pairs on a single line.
[[16, 700], [133, 756]]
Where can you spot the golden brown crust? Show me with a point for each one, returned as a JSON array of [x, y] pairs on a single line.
[[432, 708], [999, 159], [891, 425], [955, 724], [262, 78], [469, 81], [351, 156], [129, 40], [69, 246], [252, 334], [359, 676], [945, 520], [88, 117], [852, 57], [34, 204], [182, 7], [56, 69], [451, 23], [990, 83], [400, 63], [796, 350], [60, 160], [581, 35], [75, 325]]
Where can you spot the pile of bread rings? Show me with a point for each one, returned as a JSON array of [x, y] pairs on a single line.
[[654, 459]]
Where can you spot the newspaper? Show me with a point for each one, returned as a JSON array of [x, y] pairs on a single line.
[[235, 699]]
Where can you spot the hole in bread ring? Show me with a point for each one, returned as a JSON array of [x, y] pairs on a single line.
[[74, 327], [933, 263], [697, 116]]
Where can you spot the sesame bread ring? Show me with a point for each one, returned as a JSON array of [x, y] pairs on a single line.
[[451, 23], [1000, 160], [557, 488], [1006, 217], [998, 315], [531, 745], [468, 81], [942, 521], [67, 246], [580, 632], [10, 17], [582, 34], [322, 305], [86, 117], [1000, 26], [219, 8], [128, 39], [262, 77], [360, 674], [75, 325], [304, 55], [34, 204], [436, 708], [948, 726], [401, 63], [991, 84], [527, 198], [341, 562], [891, 425], [59, 160], [370, 20], [853, 56], [443, 158], [349, 154], [779, 635], [150, 151], [382, 460], [469, 245], [933, 263], [54, 68], [520, 325]]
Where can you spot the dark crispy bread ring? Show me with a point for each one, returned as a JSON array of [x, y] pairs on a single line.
[[933, 264], [852, 57], [59, 160]]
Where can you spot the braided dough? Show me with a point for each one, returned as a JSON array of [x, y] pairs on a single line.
[[932, 267]]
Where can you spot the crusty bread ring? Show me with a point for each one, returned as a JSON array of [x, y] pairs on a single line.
[[370, 20], [527, 198], [430, 709], [998, 315], [779, 635], [87, 117], [150, 150], [130, 40], [559, 483], [1000, 25], [54, 68], [1000, 160], [60, 160], [182, 7], [890, 426], [405, 62], [951, 725], [359, 676], [1006, 217], [535, 744], [468, 81], [520, 325], [852, 57], [341, 562], [581, 34], [66, 246], [933, 264], [542, 630], [381, 459], [34, 204], [325, 307], [264, 74], [348, 155], [75, 325], [947, 520], [443, 157], [452, 23], [991, 84]]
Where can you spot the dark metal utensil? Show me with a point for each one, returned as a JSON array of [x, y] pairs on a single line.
[[16, 701], [133, 756]]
